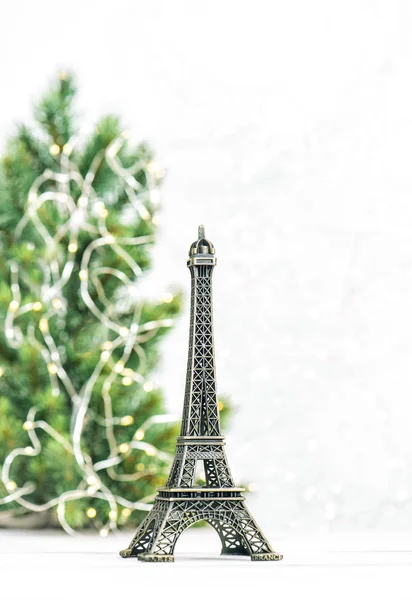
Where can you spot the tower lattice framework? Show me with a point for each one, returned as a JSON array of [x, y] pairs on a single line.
[[181, 503]]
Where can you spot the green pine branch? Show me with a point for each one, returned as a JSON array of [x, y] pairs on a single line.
[[79, 336]]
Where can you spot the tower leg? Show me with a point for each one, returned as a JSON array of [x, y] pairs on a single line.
[[233, 542], [258, 546], [141, 540], [156, 537], [146, 532]]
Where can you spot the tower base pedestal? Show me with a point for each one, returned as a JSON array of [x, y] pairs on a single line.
[[267, 556], [176, 509], [144, 557]]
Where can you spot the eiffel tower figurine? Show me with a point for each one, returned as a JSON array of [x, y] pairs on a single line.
[[181, 502]]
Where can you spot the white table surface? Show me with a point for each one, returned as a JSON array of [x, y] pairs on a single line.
[[52, 565]]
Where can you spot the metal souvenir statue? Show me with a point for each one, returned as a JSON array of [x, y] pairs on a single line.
[[181, 503]]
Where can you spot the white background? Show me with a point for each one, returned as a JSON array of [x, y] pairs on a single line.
[[286, 129]]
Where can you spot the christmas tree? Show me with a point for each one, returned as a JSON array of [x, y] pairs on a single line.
[[84, 433]]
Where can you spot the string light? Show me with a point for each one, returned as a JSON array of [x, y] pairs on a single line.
[[155, 197], [100, 209], [144, 213], [155, 169], [220, 405], [127, 338], [167, 298], [99, 206], [44, 325], [57, 303], [54, 150]]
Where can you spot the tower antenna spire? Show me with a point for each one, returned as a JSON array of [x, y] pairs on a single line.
[[201, 232]]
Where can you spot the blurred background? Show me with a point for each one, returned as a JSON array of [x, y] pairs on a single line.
[[285, 127]]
